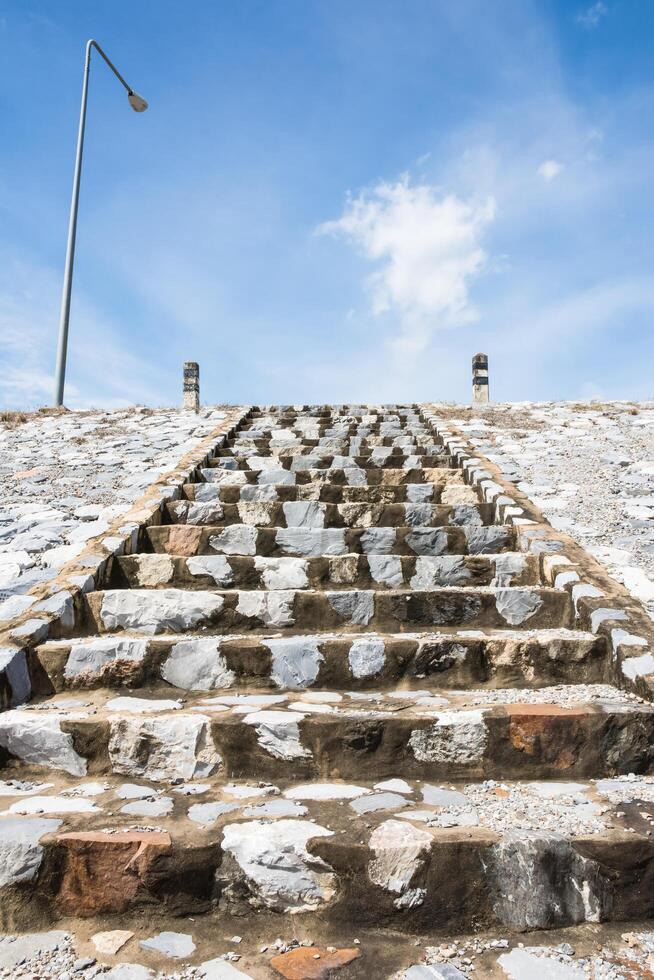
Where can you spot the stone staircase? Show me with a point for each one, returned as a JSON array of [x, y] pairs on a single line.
[[332, 690]]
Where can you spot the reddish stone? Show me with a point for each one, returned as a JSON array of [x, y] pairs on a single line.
[[301, 964], [104, 872], [548, 732], [184, 539]]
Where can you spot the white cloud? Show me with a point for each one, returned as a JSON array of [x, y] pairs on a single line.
[[591, 17], [549, 169], [427, 246]]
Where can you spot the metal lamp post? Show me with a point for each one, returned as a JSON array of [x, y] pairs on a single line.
[[138, 105]]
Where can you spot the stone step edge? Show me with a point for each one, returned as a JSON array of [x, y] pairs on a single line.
[[59, 604], [158, 610], [320, 661], [600, 603], [403, 876], [250, 738]]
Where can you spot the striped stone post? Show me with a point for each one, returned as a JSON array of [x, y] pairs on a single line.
[[480, 392], [191, 386]]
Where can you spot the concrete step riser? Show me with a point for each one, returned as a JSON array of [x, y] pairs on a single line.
[[338, 476]]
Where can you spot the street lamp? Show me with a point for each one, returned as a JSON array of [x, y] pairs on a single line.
[[138, 105]]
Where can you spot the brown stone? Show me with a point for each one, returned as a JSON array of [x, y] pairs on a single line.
[[547, 732], [184, 539], [301, 964], [104, 872]]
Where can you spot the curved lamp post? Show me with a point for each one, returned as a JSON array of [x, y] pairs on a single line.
[[138, 105]]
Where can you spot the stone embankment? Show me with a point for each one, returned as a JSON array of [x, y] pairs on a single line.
[[334, 701]]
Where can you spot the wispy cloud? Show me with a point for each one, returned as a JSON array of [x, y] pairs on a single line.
[[591, 16], [549, 169], [427, 249]]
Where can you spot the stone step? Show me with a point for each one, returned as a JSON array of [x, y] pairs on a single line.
[[341, 571], [363, 435], [348, 661], [412, 857], [281, 447], [331, 461], [191, 539], [219, 611], [573, 732], [314, 514], [353, 476], [450, 490]]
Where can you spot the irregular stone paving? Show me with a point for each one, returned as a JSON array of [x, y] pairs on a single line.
[[589, 467], [330, 695], [65, 477]]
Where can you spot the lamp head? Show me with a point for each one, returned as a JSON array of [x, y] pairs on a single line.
[[137, 103]]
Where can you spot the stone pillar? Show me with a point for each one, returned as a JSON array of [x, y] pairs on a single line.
[[191, 386], [480, 379]]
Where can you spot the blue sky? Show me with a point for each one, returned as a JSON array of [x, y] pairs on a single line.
[[330, 200]]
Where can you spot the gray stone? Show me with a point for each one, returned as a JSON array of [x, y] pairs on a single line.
[[356, 607], [237, 539], [295, 661], [215, 566], [197, 665], [273, 858], [311, 542], [37, 739], [173, 944], [367, 656], [167, 747], [158, 610], [20, 851]]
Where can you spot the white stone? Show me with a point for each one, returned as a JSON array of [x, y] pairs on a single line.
[[215, 566], [90, 656], [517, 605], [142, 705], [326, 791], [237, 539], [272, 608], [394, 786], [173, 944], [220, 969], [154, 569], [304, 513], [278, 732], [367, 656], [530, 964], [312, 542], [208, 813], [110, 942], [169, 747], [282, 573], [197, 665], [458, 737], [399, 849], [356, 606], [386, 570], [20, 851], [295, 661], [38, 740], [159, 807], [158, 610], [53, 804], [274, 859], [635, 667]]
